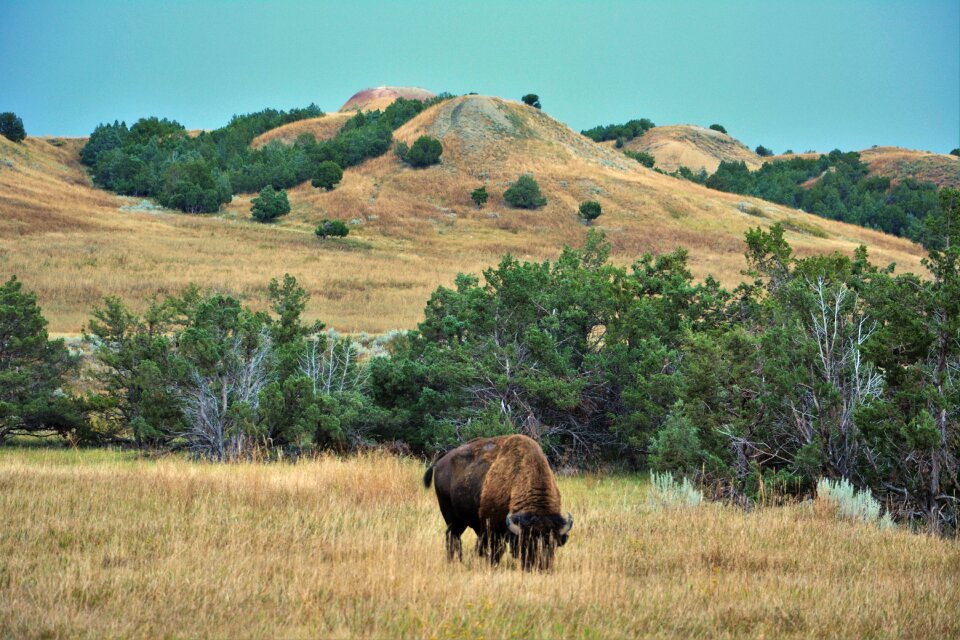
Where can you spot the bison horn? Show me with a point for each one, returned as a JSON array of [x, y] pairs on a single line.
[[513, 526], [567, 525]]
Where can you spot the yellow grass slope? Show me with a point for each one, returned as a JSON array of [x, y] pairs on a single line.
[[687, 145], [323, 128], [411, 230], [353, 548], [898, 164]]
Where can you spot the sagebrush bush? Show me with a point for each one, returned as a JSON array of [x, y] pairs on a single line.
[[667, 492], [848, 502]]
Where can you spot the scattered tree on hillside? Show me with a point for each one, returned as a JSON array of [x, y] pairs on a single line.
[[479, 196], [332, 228], [525, 193], [32, 370], [955, 152], [645, 159], [718, 127], [425, 151], [590, 210], [763, 152], [531, 99], [327, 176], [11, 127], [270, 204]]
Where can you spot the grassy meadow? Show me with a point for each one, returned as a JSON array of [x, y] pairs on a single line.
[[106, 544]]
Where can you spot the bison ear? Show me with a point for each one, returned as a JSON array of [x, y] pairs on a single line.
[[512, 525], [567, 525]]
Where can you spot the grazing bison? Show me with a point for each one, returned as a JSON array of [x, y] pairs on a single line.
[[504, 490]]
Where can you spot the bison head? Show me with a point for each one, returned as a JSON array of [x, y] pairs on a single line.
[[537, 537]]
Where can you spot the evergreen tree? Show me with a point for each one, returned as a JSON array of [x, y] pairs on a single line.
[[270, 204], [525, 194], [424, 152], [479, 196], [11, 127], [327, 176]]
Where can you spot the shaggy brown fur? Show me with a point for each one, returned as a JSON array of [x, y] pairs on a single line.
[[483, 482]]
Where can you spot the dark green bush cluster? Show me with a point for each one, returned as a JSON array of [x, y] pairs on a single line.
[[718, 127], [270, 204], [844, 190], [425, 152], [11, 127], [332, 228], [645, 159], [525, 193], [145, 159], [622, 132]]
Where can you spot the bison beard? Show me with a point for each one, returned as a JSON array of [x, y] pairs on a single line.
[[504, 490]]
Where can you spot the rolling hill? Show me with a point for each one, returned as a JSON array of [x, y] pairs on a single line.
[[411, 230], [381, 97], [693, 147]]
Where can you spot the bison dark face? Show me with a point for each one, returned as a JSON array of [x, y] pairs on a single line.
[[536, 537]]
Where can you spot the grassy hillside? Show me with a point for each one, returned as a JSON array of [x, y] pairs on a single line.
[[411, 229], [687, 145], [323, 128], [340, 548]]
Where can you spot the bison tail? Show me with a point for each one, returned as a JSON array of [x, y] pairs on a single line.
[[428, 477]]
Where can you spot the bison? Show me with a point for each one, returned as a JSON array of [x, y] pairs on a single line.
[[504, 490]]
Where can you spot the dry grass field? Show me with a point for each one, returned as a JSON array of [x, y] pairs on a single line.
[[411, 230], [104, 544]]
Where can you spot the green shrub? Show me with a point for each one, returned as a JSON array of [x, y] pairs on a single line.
[[718, 127], [645, 159], [424, 152], [11, 127], [479, 196], [955, 152], [590, 210], [401, 149], [327, 176], [676, 447], [332, 228], [763, 152], [270, 205], [531, 99], [525, 194]]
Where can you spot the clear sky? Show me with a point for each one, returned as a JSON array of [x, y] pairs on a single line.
[[800, 75]]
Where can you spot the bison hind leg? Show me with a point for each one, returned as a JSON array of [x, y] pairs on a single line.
[[454, 545]]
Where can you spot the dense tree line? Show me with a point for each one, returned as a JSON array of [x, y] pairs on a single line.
[[158, 158], [837, 186], [620, 132], [828, 366]]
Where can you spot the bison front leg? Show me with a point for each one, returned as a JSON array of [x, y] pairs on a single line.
[[454, 545], [491, 546]]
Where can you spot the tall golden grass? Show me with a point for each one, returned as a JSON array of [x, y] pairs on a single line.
[[104, 544], [412, 230]]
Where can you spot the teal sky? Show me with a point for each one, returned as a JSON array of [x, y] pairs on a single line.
[[800, 75]]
